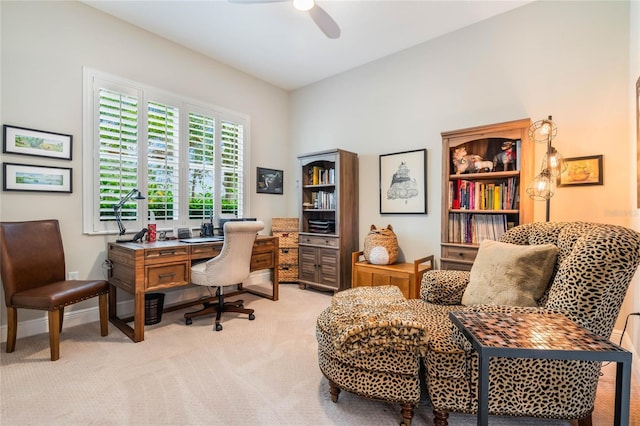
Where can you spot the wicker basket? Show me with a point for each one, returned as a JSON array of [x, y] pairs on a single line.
[[285, 224], [287, 239], [288, 273]]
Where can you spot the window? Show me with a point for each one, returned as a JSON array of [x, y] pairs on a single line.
[[187, 159]]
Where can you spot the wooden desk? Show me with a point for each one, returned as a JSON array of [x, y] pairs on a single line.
[[530, 335], [407, 276], [140, 268]]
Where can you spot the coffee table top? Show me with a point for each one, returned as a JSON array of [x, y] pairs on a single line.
[[529, 331]]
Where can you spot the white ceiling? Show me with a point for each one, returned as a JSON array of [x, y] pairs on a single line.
[[283, 46]]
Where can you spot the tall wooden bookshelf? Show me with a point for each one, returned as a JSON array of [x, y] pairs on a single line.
[[328, 219], [472, 208]]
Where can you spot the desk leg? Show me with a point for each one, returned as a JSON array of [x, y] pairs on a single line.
[[138, 317], [623, 392], [483, 389]]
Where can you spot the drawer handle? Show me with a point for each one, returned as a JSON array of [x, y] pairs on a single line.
[[167, 253], [460, 254], [170, 275], [285, 250]]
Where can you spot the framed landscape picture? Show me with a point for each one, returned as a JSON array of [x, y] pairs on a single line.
[[20, 140], [23, 177], [582, 171], [403, 182]]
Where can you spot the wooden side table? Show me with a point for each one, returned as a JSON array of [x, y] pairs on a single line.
[[407, 276], [541, 336]]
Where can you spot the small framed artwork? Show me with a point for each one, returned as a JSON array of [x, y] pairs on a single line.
[[581, 171], [24, 177], [19, 140], [269, 181], [403, 182]]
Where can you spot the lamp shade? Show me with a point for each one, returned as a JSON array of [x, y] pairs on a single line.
[[540, 188]]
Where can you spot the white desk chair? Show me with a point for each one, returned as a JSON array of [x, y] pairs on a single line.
[[231, 267]]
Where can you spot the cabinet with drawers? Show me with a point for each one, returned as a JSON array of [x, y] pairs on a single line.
[[328, 219]]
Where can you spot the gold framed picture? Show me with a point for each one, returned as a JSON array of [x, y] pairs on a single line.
[[582, 171]]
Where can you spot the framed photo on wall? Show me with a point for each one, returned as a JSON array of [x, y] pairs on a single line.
[[23, 141], [403, 182], [269, 181], [582, 171], [24, 177]]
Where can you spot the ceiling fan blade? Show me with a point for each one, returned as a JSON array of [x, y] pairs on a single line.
[[256, 1], [325, 22]]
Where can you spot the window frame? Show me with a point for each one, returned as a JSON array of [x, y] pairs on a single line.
[[93, 81]]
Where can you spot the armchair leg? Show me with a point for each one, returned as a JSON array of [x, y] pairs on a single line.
[[104, 312], [334, 390], [61, 316], [407, 414], [54, 334], [440, 418], [12, 328]]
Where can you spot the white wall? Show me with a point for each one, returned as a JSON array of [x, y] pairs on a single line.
[[44, 47], [566, 59]]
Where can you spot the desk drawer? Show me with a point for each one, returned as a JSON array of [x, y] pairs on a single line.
[[205, 251], [262, 245], [262, 261], [167, 275], [164, 255]]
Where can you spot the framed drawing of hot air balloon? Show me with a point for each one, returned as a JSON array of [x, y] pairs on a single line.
[[403, 182]]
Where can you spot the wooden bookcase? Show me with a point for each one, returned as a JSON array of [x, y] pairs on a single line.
[[328, 219], [472, 210]]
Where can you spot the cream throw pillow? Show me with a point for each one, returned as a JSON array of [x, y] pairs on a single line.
[[509, 274]]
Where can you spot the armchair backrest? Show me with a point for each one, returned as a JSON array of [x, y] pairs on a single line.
[[595, 265], [233, 264], [31, 255]]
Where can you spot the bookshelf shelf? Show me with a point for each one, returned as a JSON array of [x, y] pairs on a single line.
[[493, 201]]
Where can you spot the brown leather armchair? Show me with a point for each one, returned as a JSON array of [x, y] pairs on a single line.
[[34, 277]]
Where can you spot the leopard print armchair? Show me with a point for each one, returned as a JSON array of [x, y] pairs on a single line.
[[593, 269]]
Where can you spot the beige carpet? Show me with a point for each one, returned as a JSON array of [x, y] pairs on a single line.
[[261, 372]]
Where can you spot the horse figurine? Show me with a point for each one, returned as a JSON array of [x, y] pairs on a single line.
[[507, 157]]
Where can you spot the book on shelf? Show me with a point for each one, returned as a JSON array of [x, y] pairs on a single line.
[[466, 228], [322, 176], [478, 195]]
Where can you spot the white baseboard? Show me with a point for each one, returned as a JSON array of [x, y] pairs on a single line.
[[125, 308]]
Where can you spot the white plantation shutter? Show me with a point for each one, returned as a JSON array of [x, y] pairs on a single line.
[[232, 168], [118, 164], [163, 161], [202, 152], [187, 159]]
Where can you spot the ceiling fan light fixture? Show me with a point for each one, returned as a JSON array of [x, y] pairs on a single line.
[[303, 5]]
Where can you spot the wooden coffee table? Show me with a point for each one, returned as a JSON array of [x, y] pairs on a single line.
[[531, 335]]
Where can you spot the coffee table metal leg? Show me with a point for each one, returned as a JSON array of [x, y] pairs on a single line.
[[483, 389], [623, 393]]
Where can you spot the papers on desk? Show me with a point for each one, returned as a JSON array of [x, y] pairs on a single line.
[[196, 240]]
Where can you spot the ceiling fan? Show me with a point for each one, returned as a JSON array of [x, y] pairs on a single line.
[[322, 19]]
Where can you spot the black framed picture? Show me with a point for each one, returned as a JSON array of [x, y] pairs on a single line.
[[38, 143], [403, 182], [25, 177], [269, 181]]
